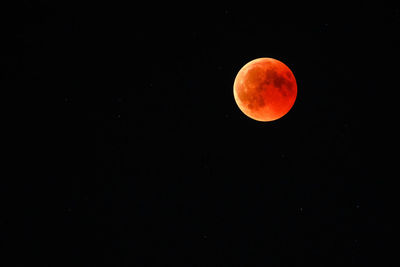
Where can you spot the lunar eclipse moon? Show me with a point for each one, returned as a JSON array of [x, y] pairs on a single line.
[[265, 89]]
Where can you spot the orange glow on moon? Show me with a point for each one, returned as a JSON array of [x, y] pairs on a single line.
[[265, 89]]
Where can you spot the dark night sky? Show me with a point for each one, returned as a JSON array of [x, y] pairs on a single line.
[[137, 154]]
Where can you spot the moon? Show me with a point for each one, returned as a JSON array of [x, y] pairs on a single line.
[[265, 89]]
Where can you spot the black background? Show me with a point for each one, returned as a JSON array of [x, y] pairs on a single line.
[[133, 152]]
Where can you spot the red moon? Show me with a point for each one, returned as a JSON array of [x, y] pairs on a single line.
[[265, 89]]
